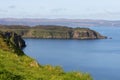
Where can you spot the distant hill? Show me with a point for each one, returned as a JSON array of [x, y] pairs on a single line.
[[62, 22]]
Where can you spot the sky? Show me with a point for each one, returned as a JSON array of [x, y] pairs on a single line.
[[70, 9]]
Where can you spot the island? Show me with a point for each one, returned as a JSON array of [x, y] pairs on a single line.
[[52, 32]]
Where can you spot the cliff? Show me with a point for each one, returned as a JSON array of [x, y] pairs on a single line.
[[86, 33], [77, 33], [15, 39], [10, 41], [53, 32], [15, 65]]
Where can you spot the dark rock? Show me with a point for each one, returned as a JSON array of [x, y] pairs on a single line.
[[10, 41], [15, 39], [110, 37]]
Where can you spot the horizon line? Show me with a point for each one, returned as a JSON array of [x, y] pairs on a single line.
[[60, 19]]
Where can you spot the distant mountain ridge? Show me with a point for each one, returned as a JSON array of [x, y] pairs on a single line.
[[61, 22]]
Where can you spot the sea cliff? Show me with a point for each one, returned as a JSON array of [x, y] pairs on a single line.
[[10, 41], [53, 32]]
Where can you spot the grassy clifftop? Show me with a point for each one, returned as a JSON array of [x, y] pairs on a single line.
[[14, 67], [21, 67]]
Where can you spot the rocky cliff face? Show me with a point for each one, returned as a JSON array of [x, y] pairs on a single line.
[[15, 39], [10, 41], [75, 33], [86, 33]]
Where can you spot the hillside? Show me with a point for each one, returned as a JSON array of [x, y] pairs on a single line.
[[52, 32], [15, 65]]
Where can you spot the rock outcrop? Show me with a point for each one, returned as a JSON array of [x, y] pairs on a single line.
[[85, 33], [10, 41], [15, 39]]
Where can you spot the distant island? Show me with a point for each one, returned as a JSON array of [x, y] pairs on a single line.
[[61, 22], [52, 32]]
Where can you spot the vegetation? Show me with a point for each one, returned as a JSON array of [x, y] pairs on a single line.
[[52, 32], [14, 66]]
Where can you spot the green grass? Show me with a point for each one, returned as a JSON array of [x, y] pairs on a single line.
[[14, 67]]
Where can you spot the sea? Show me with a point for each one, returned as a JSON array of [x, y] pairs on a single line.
[[100, 58]]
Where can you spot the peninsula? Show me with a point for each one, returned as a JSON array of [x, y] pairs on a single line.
[[52, 32]]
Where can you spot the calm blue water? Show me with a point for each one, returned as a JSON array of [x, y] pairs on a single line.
[[100, 58]]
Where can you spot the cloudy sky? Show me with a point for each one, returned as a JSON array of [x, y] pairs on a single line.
[[72, 9]]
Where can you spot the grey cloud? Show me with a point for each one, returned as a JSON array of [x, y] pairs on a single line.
[[3, 11], [12, 6]]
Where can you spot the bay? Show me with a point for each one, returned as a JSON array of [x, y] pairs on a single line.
[[100, 58]]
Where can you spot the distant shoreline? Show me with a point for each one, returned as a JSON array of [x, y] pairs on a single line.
[[60, 22]]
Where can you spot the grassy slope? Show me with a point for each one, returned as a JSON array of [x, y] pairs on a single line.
[[22, 67], [14, 67]]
